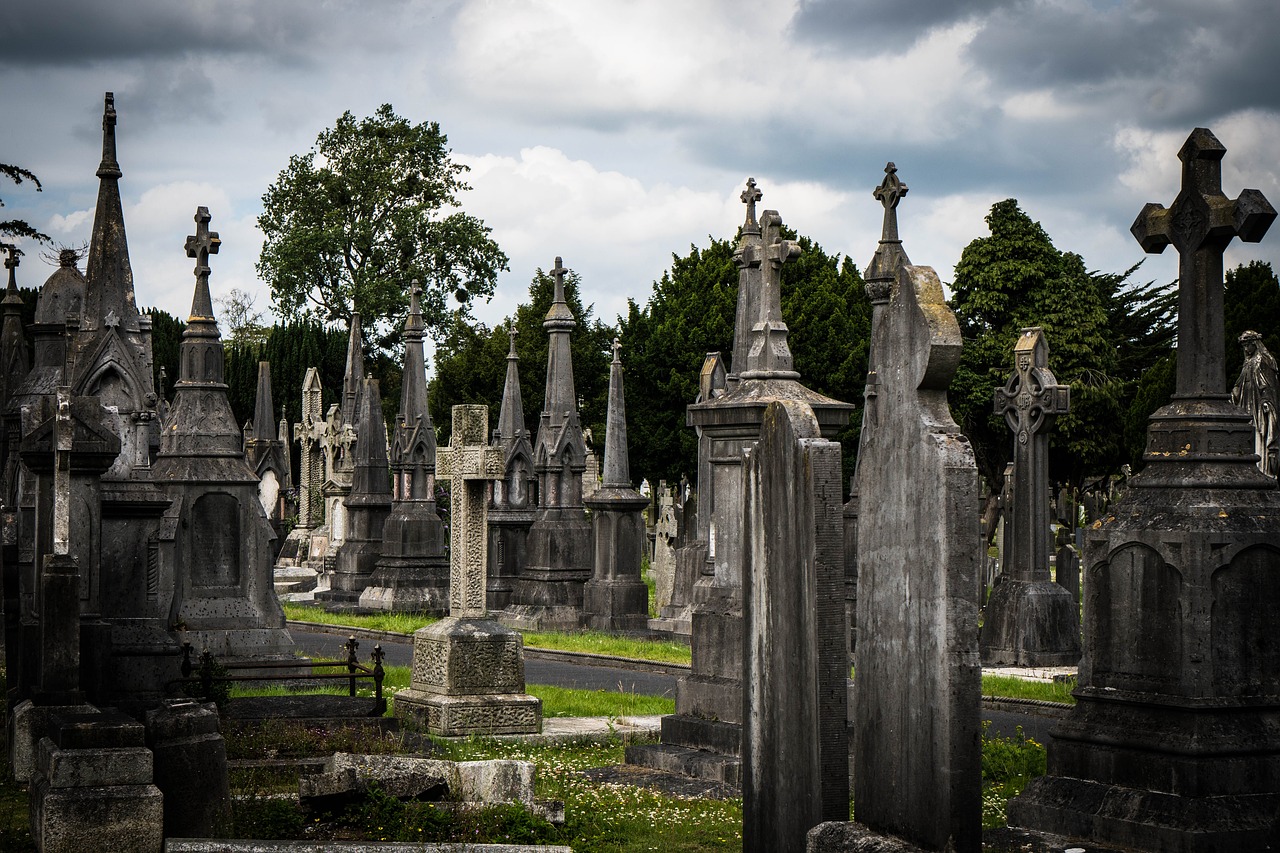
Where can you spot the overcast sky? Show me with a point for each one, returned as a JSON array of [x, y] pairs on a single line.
[[616, 132]]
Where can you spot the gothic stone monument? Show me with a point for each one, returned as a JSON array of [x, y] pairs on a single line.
[[1174, 743], [468, 671], [917, 773], [1029, 620]]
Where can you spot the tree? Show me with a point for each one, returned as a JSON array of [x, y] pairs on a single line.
[[19, 228], [1251, 299], [691, 313], [372, 206], [1015, 279], [242, 323], [471, 363]]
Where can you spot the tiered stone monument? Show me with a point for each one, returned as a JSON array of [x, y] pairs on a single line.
[[337, 444], [1174, 741], [548, 591], [215, 546], [917, 761], [1029, 620], [412, 572], [307, 433], [704, 736], [367, 505], [468, 670], [616, 598], [795, 740], [514, 496]]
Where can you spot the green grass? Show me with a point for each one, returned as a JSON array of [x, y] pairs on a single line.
[[1008, 764], [1008, 687], [556, 701], [596, 642]]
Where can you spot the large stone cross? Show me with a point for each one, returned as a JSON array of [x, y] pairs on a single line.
[[468, 463], [559, 272], [12, 261], [889, 193], [750, 196], [1200, 224], [203, 243], [1030, 401]]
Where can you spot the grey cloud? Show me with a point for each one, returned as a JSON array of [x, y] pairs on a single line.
[[1169, 61], [879, 26]]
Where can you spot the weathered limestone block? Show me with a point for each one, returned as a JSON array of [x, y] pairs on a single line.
[[795, 730], [190, 767]]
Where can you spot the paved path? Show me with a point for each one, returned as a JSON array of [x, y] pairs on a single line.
[[399, 652]]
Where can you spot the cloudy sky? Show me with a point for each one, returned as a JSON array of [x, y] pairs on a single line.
[[616, 132]]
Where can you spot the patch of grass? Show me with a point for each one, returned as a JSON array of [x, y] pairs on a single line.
[[15, 819], [396, 623], [610, 817], [565, 702], [1008, 764], [1009, 687], [596, 642], [646, 574]]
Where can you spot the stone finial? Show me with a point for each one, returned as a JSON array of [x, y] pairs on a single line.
[[750, 196], [354, 373], [511, 414], [200, 246], [370, 477], [889, 256], [769, 356], [263, 404], [559, 315], [110, 167], [12, 261]]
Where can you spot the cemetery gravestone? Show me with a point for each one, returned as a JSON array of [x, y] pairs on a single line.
[[1173, 743], [1029, 620], [468, 670]]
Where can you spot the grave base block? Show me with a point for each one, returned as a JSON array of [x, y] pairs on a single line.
[[456, 716]]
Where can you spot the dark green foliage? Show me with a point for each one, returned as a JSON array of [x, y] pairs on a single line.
[[379, 211], [691, 313], [1008, 764], [166, 341], [471, 363], [1154, 390], [1251, 300], [18, 227], [1103, 334]]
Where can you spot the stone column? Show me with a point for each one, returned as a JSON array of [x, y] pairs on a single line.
[[468, 670], [1029, 620]]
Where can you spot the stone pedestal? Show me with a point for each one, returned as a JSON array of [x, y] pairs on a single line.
[[1030, 623], [508, 547], [468, 679], [93, 788], [190, 762], [412, 575], [549, 588]]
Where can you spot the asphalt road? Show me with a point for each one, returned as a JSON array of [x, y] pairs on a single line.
[[328, 646]]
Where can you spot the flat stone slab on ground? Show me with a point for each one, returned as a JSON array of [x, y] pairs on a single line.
[[855, 838], [670, 784], [205, 845], [304, 707]]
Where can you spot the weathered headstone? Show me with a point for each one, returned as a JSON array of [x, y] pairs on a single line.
[[795, 750], [412, 572], [189, 759], [616, 598], [1029, 620], [368, 504], [1174, 741], [663, 564], [917, 772], [559, 549], [468, 670]]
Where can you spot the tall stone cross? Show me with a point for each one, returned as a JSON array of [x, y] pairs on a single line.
[[11, 262], [468, 463], [63, 439], [200, 246], [750, 196], [1200, 224], [559, 272], [889, 193], [1029, 402]]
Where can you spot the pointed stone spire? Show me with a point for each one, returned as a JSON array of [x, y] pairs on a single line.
[[413, 447], [370, 482], [559, 323], [201, 341], [617, 465], [353, 377], [889, 256], [263, 406], [109, 297], [14, 365], [511, 415], [282, 428]]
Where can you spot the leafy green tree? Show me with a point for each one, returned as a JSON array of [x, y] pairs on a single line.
[[691, 313], [1014, 279], [166, 340], [372, 206], [471, 363], [18, 228], [1251, 300]]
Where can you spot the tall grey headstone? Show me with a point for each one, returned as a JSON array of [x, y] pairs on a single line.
[[917, 682], [468, 670], [795, 749], [1174, 741], [1029, 620]]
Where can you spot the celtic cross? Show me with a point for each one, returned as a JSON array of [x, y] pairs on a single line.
[[468, 463], [200, 246], [749, 197], [559, 272]]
